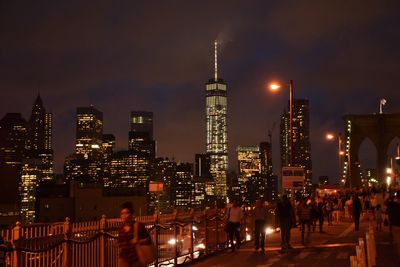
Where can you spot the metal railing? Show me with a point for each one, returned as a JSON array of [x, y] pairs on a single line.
[[178, 237]]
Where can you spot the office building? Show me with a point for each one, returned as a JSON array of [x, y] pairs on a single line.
[[249, 170], [163, 170], [182, 185], [89, 131], [86, 164], [141, 133]]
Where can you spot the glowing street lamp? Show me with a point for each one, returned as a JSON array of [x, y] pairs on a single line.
[[274, 87], [331, 137]]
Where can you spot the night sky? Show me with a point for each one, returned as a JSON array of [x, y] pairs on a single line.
[[157, 56]]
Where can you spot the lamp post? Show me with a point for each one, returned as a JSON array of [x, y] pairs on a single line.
[[275, 86], [330, 137]]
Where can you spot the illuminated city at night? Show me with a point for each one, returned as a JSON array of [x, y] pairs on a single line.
[[201, 133]]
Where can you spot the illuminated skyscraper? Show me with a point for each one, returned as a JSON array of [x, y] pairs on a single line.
[[301, 138], [89, 131], [86, 164], [251, 182], [40, 127], [217, 132], [141, 133]]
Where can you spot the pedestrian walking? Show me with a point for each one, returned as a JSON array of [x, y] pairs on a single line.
[[356, 207], [127, 239], [234, 217], [378, 218], [304, 213], [260, 220], [320, 214], [389, 210], [329, 211], [314, 214], [285, 219]]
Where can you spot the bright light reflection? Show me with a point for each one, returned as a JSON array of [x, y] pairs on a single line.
[[172, 241]]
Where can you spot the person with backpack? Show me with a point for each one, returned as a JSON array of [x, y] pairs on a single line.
[[129, 235]]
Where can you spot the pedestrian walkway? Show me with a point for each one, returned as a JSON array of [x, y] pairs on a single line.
[[332, 248]]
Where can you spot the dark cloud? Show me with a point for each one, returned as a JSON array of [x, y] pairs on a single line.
[[157, 55]]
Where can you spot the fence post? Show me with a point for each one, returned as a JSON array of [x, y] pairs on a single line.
[[363, 255], [205, 233], [370, 256], [191, 234], [103, 252], [373, 245], [217, 221], [66, 245], [16, 235], [175, 214], [156, 220]]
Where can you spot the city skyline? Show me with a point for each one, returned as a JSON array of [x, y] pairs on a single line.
[[119, 67]]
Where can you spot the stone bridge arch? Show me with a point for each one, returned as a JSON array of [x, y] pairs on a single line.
[[381, 129]]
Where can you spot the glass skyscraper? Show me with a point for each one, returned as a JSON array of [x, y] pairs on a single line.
[[217, 133]]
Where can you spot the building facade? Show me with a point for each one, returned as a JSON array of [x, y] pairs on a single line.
[[217, 132], [301, 139]]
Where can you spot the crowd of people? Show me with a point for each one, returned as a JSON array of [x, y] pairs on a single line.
[[316, 213]]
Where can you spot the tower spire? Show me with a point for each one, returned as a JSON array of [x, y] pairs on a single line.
[[215, 60]]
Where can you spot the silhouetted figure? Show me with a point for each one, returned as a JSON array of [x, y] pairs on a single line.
[[286, 218], [356, 212], [260, 220], [304, 213]]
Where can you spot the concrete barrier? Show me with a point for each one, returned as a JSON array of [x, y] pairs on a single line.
[[371, 258]]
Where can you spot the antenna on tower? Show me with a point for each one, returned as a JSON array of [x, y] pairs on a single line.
[[215, 60]]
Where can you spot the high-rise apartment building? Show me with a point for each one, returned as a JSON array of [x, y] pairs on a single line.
[[301, 138], [217, 132]]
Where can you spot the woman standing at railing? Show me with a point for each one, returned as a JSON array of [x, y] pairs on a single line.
[[127, 240]]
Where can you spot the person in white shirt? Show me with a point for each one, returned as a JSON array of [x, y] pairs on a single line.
[[234, 217]]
